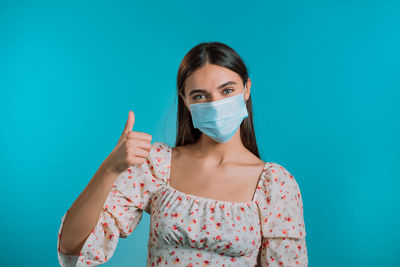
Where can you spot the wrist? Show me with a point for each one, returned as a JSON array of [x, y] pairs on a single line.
[[108, 169]]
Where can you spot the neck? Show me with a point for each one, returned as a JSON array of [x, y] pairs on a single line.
[[218, 154]]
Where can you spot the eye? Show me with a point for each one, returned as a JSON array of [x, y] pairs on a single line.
[[196, 97], [228, 89]]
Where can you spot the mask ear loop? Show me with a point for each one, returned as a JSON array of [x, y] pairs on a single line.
[[184, 100]]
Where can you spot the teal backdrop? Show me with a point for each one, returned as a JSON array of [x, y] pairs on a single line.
[[325, 89]]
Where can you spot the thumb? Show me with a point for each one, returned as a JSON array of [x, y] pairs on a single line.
[[129, 123]]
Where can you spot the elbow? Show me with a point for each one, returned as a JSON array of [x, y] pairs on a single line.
[[70, 249]]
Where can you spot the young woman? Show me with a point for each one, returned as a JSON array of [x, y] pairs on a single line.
[[212, 200]]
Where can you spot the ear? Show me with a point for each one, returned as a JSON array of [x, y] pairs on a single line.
[[247, 94]]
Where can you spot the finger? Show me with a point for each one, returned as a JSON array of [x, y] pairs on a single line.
[[142, 144], [140, 153], [129, 123], [140, 135]]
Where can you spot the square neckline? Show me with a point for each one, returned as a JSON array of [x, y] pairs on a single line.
[[168, 176]]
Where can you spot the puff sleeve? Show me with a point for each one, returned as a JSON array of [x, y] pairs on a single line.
[[129, 197], [282, 223]]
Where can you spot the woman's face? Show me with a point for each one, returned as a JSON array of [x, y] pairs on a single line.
[[211, 83]]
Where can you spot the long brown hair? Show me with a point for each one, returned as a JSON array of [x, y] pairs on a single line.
[[219, 54]]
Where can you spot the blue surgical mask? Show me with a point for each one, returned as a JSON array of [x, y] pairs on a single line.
[[220, 119]]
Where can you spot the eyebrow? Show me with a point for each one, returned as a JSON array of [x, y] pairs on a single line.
[[219, 87]]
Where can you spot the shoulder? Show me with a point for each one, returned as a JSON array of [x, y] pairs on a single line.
[[159, 155], [159, 148], [159, 159], [280, 202], [278, 177]]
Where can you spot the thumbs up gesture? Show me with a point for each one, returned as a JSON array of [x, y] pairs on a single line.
[[132, 147]]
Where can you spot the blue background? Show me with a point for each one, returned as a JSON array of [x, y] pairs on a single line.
[[326, 91]]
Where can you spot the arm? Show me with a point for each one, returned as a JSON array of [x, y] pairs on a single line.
[[132, 149], [84, 213], [281, 251], [282, 221]]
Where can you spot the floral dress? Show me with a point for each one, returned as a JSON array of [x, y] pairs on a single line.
[[189, 230]]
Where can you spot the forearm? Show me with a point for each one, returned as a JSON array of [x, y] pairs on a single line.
[[84, 213]]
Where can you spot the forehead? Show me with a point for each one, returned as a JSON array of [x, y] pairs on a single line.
[[209, 77]]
